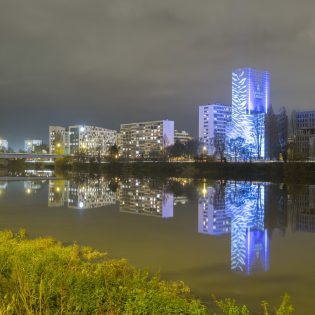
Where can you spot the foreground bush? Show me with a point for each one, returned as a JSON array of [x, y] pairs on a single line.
[[42, 276]]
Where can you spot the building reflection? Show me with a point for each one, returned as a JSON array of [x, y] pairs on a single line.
[[32, 186], [302, 208], [212, 217], [90, 193], [58, 193], [3, 187], [245, 205], [145, 197], [237, 208]]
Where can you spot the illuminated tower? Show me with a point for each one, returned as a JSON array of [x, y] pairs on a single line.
[[250, 103]]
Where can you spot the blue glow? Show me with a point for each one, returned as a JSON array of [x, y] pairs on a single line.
[[250, 102], [244, 203]]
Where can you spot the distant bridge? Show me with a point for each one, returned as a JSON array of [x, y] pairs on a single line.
[[28, 156]]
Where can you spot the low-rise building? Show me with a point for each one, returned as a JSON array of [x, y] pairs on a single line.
[[303, 130], [30, 145], [146, 139], [182, 136], [4, 145]]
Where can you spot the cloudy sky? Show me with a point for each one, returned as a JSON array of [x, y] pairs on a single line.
[[106, 62]]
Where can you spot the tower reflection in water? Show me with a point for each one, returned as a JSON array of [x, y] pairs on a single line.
[[237, 208]]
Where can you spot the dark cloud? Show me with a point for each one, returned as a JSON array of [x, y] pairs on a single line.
[[113, 61]]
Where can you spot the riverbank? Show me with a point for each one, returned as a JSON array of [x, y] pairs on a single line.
[[41, 276], [291, 172]]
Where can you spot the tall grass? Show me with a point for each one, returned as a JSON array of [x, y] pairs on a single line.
[[42, 276]]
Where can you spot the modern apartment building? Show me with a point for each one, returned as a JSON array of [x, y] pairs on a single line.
[[30, 145], [303, 132], [213, 119], [145, 139], [276, 133], [250, 104], [58, 143], [91, 140], [4, 145], [81, 139]]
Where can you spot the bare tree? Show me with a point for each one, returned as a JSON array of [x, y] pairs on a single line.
[[219, 145], [259, 128]]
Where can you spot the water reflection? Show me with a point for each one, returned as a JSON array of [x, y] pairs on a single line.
[[249, 213], [3, 187], [212, 217], [146, 197], [302, 206], [90, 193], [32, 186], [237, 208]]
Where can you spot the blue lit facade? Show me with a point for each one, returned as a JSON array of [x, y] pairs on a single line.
[[244, 204], [250, 103]]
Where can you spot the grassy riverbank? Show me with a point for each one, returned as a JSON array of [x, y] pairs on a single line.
[[42, 276]]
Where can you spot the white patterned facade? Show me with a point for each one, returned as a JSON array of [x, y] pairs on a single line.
[[250, 103]]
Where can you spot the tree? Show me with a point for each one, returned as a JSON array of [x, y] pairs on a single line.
[[113, 152], [259, 132], [176, 150], [43, 148], [235, 146], [219, 145]]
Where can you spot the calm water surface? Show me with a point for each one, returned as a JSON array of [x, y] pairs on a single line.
[[250, 241]]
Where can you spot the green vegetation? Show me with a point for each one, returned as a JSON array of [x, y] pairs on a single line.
[[229, 307], [42, 276]]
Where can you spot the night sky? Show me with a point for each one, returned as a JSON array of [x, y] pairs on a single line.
[[106, 62]]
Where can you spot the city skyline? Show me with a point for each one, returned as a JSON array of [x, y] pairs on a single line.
[[109, 63]]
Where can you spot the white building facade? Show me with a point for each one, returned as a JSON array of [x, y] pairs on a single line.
[[4, 145], [90, 140], [57, 140], [146, 139], [81, 139], [213, 119], [303, 132]]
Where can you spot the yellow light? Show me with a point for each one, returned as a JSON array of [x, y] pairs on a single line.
[[57, 189], [28, 191], [58, 145], [204, 190]]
